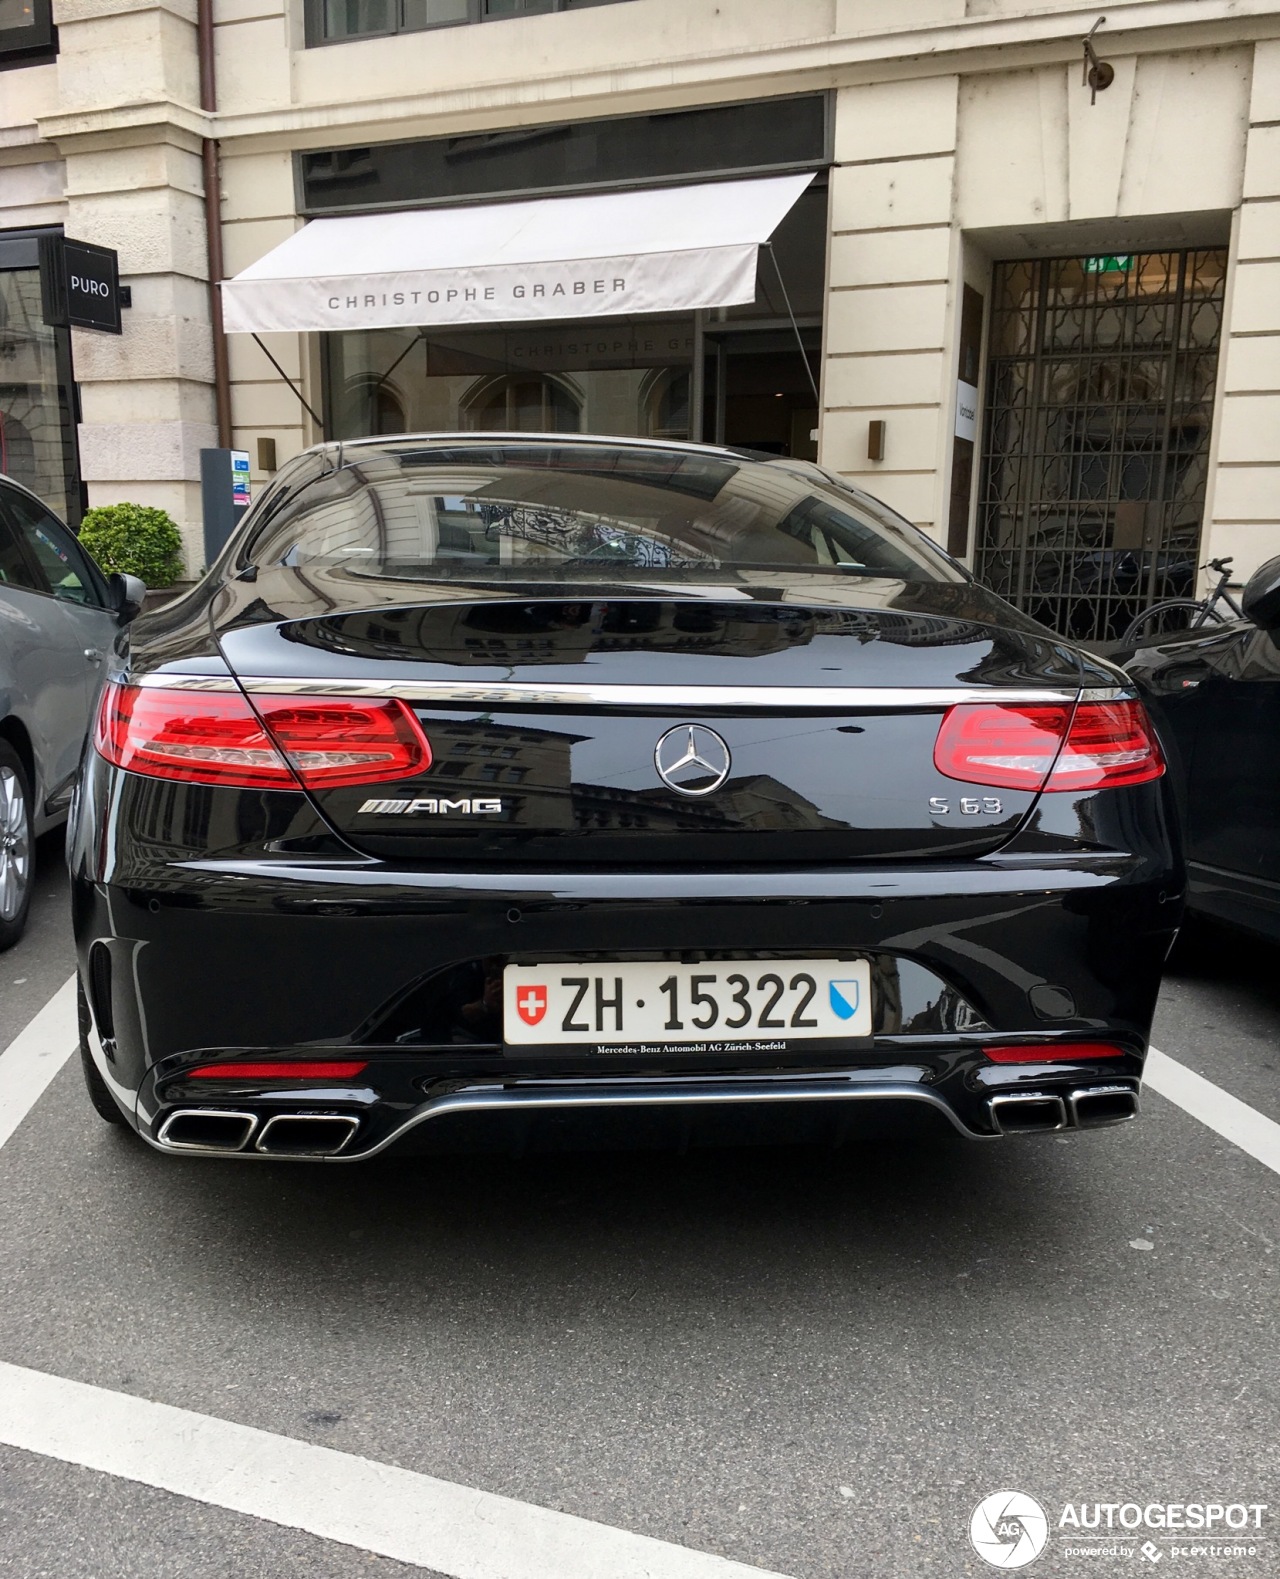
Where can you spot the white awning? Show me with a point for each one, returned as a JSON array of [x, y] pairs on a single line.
[[663, 249]]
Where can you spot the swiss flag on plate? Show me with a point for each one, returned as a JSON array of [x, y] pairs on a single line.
[[531, 1004]]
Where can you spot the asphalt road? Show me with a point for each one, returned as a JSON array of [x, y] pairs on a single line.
[[813, 1362]]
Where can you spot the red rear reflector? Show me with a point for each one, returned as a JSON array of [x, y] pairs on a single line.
[[1033, 1053], [1097, 745], [216, 737], [346, 1069]]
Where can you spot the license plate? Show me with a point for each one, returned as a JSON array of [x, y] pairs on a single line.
[[653, 1006]]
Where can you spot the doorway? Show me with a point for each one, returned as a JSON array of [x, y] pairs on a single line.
[[759, 391], [1100, 389]]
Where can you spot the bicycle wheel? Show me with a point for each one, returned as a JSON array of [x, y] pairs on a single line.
[[1168, 619]]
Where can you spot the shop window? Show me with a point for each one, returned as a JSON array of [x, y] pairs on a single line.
[[37, 411], [665, 404], [373, 406], [334, 21], [628, 376], [710, 141], [27, 34], [17, 447], [624, 376], [516, 404]]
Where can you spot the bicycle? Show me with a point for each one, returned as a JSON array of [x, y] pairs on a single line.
[[1183, 614]]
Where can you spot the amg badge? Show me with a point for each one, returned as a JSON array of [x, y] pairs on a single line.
[[434, 806]]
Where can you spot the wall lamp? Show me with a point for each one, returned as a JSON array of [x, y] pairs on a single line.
[[1098, 74]]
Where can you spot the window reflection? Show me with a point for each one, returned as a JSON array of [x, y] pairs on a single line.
[[629, 377], [36, 439]]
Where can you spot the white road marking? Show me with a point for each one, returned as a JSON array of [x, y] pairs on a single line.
[[35, 1055], [1226, 1115], [338, 1496]]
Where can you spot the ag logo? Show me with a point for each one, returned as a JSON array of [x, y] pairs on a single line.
[[1008, 1529]]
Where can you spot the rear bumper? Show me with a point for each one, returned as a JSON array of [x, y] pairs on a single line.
[[693, 1110], [188, 960]]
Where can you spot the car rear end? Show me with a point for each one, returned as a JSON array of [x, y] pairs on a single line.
[[373, 852]]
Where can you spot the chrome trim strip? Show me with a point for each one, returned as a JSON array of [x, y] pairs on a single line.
[[668, 698], [160, 681], [162, 1139], [703, 1094], [663, 698]]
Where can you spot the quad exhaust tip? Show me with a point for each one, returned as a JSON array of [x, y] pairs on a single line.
[[228, 1130], [1093, 1107], [1040, 1112], [306, 1134], [207, 1129], [1028, 1112]]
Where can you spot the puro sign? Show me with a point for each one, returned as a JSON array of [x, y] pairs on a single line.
[[80, 284]]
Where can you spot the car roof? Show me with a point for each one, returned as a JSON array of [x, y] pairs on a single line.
[[386, 443]]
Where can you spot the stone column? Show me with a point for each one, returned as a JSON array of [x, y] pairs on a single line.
[[1243, 509], [890, 303], [129, 132]]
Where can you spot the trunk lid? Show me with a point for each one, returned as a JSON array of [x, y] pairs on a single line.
[[553, 717]]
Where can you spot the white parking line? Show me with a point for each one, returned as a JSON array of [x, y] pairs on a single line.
[[337, 1496], [35, 1055], [1226, 1115]]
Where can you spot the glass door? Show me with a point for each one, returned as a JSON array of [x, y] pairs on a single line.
[[758, 390]]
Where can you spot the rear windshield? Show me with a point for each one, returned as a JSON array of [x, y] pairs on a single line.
[[483, 508]]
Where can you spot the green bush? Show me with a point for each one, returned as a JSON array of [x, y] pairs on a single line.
[[135, 540]]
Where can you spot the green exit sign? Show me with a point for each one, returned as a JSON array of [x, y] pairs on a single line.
[[1119, 264]]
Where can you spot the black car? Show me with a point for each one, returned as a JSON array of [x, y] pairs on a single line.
[[1216, 694], [499, 790]]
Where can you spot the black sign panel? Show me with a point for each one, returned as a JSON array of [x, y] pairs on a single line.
[[80, 284]]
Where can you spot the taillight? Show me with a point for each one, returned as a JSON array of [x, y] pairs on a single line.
[[216, 737], [197, 737], [1109, 743], [1048, 1053], [1095, 745], [335, 740], [328, 1069]]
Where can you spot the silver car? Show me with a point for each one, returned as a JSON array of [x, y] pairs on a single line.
[[59, 615]]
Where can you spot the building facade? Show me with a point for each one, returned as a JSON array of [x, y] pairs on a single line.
[[1038, 316]]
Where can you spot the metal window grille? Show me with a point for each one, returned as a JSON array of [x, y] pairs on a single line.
[[1100, 385]]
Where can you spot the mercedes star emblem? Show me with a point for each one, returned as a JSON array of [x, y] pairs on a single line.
[[692, 759]]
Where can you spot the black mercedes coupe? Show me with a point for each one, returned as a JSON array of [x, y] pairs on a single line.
[[496, 791]]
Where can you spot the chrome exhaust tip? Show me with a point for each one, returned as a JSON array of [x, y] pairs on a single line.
[[306, 1134], [217, 1129], [1028, 1112], [1095, 1107]]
